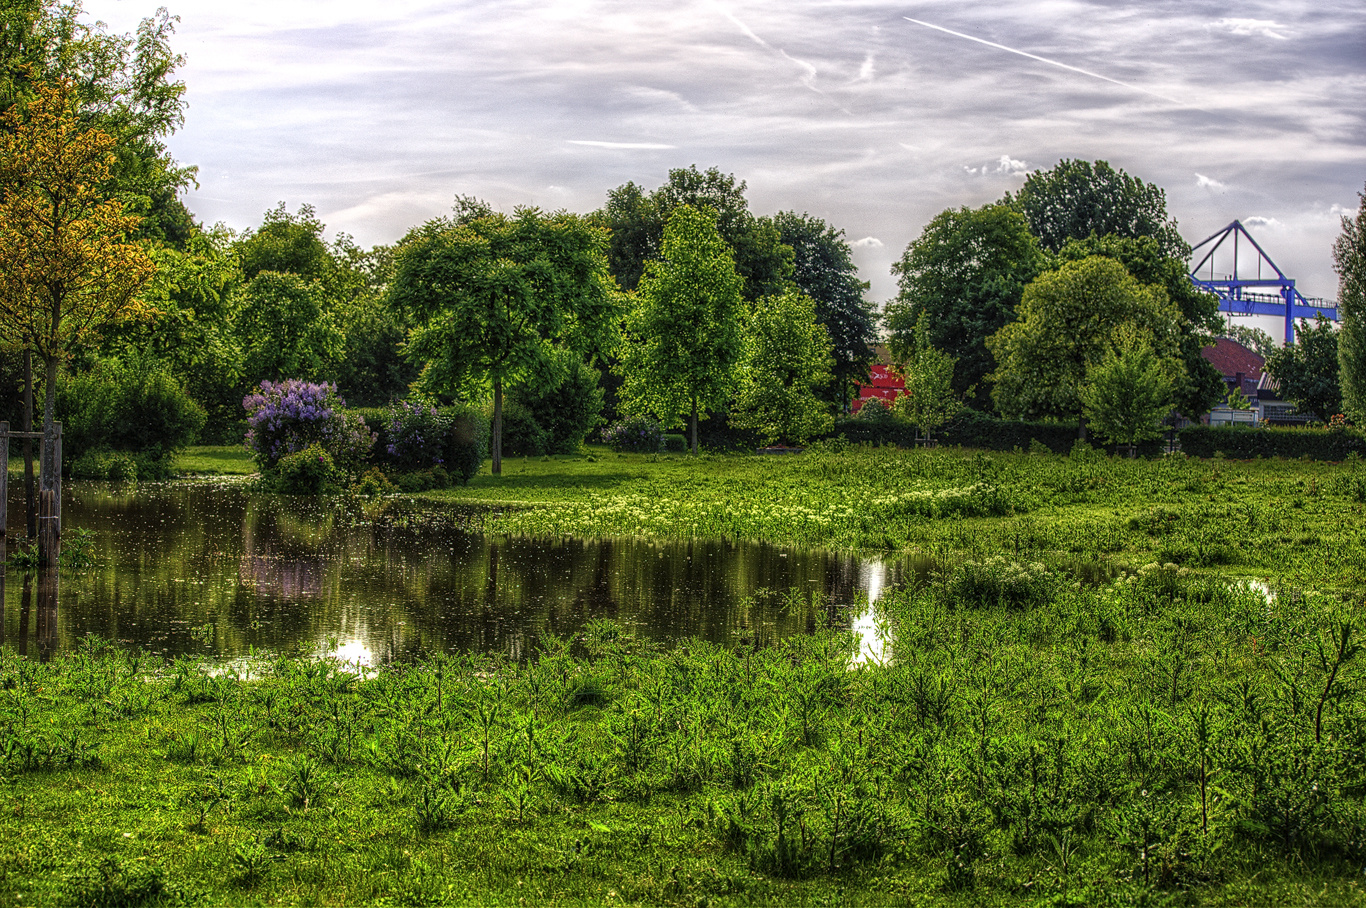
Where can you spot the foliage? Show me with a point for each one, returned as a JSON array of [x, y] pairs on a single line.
[[1349, 260], [637, 222], [522, 434], [684, 337], [823, 268], [567, 406], [965, 274], [639, 435], [67, 269], [415, 435], [1307, 370], [123, 85], [1076, 199], [132, 405], [1198, 386], [1067, 320], [1255, 339], [1246, 443], [469, 440], [494, 297], [1236, 400], [307, 472], [1128, 393], [102, 463], [786, 361], [285, 328], [929, 400], [287, 417], [874, 409]]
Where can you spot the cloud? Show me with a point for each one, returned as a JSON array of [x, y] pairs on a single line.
[[1007, 164], [1259, 221], [868, 70], [868, 242], [1205, 182], [593, 143], [1248, 28]]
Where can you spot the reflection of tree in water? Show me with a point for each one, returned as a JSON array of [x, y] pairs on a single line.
[[218, 571]]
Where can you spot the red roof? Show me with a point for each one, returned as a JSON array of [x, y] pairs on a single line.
[[1231, 358]]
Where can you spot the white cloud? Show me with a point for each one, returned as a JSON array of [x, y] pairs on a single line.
[[1259, 221], [1204, 182], [868, 242], [1007, 164], [1249, 28], [592, 143], [868, 70]]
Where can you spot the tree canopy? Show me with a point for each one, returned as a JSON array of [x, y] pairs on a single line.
[[1349, 260], [786, 362], [1128, 392], [1307, 370], [1077, 198], [492, 297], [964, 274], [683, 338], [823, 268], [1068, 319]]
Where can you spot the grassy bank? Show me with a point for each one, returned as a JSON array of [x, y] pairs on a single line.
[[1289, 521], [1162, 740], [214, 460]]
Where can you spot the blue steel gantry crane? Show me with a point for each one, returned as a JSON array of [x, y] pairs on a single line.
[[1240, 295]]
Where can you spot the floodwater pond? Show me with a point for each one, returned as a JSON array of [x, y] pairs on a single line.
[[212, 569]]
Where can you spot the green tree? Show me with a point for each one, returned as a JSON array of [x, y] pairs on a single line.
[[683, 338], [288, 244], [493, 297], [1199, 385], [1255, 339], [123, 85], [1307, 370], [929, 399], [965, 274], [1349, 260], [286, 329], [567, 406], [1128, 392], [823, 268], [1067, 320], [786, 362], [1077, 198], [636, 221]]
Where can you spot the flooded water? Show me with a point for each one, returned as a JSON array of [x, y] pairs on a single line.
[[213, 570]]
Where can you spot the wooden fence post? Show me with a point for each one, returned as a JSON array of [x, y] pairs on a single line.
[[57, 474], [4, 488], [49, 533]]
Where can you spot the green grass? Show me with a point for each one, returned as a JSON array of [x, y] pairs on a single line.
[[214, 460], [1159, 740]]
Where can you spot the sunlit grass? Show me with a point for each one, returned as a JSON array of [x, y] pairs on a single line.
[[214, 460]]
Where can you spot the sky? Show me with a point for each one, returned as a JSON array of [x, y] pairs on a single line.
[[874, 116]]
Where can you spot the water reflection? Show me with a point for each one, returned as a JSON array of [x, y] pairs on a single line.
[[210, 569]]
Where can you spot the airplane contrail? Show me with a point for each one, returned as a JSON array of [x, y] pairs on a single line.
[[1075, 69]]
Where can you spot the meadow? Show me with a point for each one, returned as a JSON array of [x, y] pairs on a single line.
[[1131, 682]]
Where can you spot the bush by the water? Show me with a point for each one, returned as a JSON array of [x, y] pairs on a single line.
[[308, 472], [522, 435], [565, 408], [456, 438], [638, 435], [1245, 442], [288, 416], [133, 407]]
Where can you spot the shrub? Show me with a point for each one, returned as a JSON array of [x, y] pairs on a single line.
[[132, 405], [287, 417], [307, 472], [522, 435], [467, 440], [639, 435], [415, 436], [102, 463], [998, 581], [1245, 442], [374, 483], [676, 444], [566, 409]]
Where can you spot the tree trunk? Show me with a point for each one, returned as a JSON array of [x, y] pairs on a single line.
[[498, 427], [30, 499], [1081, 428], [48, 457], [694, 425]]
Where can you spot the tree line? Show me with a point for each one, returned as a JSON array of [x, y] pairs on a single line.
[[1065, 300]]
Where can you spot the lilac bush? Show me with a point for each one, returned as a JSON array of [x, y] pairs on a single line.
[[417, 435], [286, 417], [640, 434]]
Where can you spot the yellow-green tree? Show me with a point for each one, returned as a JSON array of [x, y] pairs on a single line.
[[67, 269]]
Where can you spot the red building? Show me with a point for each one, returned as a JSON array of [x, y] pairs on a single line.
[[883, 383]]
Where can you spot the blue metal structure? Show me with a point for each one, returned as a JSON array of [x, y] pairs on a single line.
[[1247, 295]]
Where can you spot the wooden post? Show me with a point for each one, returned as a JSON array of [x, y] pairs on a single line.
[[47, 614], [49, 533], [4, 491], [57, 474]]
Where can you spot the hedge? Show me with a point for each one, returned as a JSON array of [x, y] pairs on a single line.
[[974, 430], [1246, 443], [467, 448]]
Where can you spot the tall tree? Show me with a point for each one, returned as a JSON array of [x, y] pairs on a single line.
[[964, 274], [1349, 260], [1198, 386], [124, 86], [1077, 198], [786, 362], [1068, 318], [928, 399], [683, 338], [636, 221], [67, 269], [493, 296], [1307, 370], [823, 268]]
